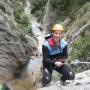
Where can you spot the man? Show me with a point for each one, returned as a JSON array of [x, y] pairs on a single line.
[[54, 52]]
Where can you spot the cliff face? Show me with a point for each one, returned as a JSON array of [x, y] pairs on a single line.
[[78, 37], [15, 46]]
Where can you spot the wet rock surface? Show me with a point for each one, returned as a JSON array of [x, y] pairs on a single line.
[[81, 82], [15, 48]]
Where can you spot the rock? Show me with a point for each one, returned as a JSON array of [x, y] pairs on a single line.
[[15, 48], [33, 69], [22, 85], [81, 82]]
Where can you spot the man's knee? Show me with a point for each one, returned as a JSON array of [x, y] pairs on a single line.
[[46, 80], [71, 75]]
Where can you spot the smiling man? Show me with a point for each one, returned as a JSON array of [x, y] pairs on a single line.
[[54, 52]]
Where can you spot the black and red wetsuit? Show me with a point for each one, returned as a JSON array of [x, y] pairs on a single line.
[[50, 52]]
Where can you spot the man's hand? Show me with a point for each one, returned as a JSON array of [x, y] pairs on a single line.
[[58, 64]]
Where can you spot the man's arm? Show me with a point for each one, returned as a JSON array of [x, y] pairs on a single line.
[[65, 53], [46, 59]]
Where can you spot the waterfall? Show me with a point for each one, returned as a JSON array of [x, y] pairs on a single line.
[[34, 25]]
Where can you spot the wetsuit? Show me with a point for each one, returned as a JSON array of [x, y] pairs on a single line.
[[51, 53]]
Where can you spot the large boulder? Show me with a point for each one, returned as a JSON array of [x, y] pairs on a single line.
[[15, 48]]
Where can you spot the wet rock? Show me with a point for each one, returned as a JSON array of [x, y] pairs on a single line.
[[22, 85], [78, 84], [15, 48], [34, 70]]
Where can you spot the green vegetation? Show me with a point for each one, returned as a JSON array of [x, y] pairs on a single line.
[[56, 76], [38, 8], [61, 6], [20, 16], [82, 47], [64, 8]]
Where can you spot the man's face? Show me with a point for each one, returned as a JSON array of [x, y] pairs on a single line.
[[57, 34]]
